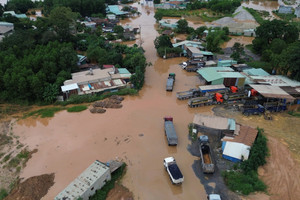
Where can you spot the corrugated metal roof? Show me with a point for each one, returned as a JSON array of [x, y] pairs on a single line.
[[123, 71], [246, 135], [6, 24], [212, 73], [187, 42], [207, 53], [214, 122], [256, 72], [115, 9], [65, 88], [194, 49], [231, 75], [271, 91], [226, 63]]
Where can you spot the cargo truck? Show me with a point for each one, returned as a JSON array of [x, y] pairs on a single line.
[[205, 154], [192, 93], [173, 170], [253, 109], [170, 82], [170, 131]]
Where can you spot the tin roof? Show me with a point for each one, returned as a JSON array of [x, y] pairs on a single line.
[[245, 136], [214, 122], [256, 72], [236, 150], [213, 73], [187, 43], [65, 88], [271, 91], [231, 75], [115, 9]]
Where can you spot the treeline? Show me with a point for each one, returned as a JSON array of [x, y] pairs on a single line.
[[223, 6], [34, 62], [277, 42]]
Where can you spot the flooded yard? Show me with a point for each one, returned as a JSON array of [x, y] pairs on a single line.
[[69, 142]]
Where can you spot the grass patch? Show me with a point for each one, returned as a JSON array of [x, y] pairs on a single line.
[[6, 158], [14, 162], [244, 178], [285, 17], [256, 14], [5, 139], [9, 110], [1, 154], [294, 113], [192, 135], [77, 108], [102, 193], [44, 112], [3, 193]]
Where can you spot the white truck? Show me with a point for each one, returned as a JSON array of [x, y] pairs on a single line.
[[173, 170], [213, 197]]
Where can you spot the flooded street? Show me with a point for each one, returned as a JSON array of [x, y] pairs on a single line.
[[69, 142]]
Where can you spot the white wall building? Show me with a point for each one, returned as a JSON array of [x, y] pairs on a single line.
[[86, 184]]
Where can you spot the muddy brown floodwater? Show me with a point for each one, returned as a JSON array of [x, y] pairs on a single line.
[[69, 142]]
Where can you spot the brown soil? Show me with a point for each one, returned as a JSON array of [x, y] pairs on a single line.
[[112, 102], [33, 188], [119, 192], [206, 158]]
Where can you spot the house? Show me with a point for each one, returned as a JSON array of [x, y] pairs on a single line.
[[111, 16], [89, 24], [249, 32], [166, 24], [226, 63], [6, 28], [285, 9], [129, 36], [297, 11], [12, 13], [87, 183], [193, 52], [167, 32], [188, 43], [221, 75], [235, 152], [207, 55], [81, 60], [93, 81], [115, 10], [220, 125]]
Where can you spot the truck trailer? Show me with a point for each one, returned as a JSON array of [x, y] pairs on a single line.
[[170, 82], [170, 131], [205, 153]]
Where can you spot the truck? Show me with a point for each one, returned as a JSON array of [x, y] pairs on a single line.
[[192, 65], [170, 82], [205, 154], [192, 93], [230, 97], [170, 131], [213, 197], [210, 99], [252, 109], [276, 106], [173, 170]]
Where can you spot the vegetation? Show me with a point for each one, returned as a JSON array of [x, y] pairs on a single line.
[[44, 112], [219, 6], [77, 108], [164, 46], [285, 17], [3, 193], [192, 135], [293, 113], [215, 38], [238, 52], [260, 64], [277, 42], [244, 179], [255, 14], [102, 193]]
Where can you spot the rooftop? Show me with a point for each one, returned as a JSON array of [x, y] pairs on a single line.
[[256, 72], [271, 91], [116, 10], [245, 136], [187, 43], [86, 76], [213, 73], [84, 181], [214, 122]]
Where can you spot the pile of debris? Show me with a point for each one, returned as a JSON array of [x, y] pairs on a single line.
[[112, 102]]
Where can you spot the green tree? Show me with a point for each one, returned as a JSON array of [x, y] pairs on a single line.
[[118, 29], [182, 26], [158, 15], [63, 22], [237, 52], [199, 31], [19, 6], [156, 1], [214, 39], [162, 41], [50, 93], [277, 45]]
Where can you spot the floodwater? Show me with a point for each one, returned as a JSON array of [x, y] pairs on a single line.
[[68, 143]]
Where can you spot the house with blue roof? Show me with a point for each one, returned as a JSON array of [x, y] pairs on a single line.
[[12, 13], [115, 10], [221, 75]]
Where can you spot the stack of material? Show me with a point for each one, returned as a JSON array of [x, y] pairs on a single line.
[[112, 102]]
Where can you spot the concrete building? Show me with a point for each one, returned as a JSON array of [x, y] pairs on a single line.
[[86, 184], [6, 28], [285, 9], [94, 81]]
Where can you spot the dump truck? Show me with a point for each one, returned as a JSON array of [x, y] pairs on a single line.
[[205, 154], [192, 93], [170, 82], [170, 131], [253, 109], [173, 170]]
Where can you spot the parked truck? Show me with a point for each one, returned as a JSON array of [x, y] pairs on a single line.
[[192, 65], [170, 82], [276, 106], [253, 109], [173, 170], [210, 99], [213, 197], [205, 154], [192, 93], [170, 131]]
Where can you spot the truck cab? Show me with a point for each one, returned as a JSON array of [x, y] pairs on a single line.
[[173, 170], [213, 197]]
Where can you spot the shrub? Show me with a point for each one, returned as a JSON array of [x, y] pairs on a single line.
[[3, 193], [77, 108]]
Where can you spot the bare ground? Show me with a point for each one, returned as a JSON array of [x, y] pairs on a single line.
[[119, 192]]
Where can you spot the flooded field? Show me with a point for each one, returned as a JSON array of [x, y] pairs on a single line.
[[68, 143]]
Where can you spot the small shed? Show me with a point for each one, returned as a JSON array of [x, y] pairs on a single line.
[[226, 63], [210, 63], [285, 9], [249, 32], [235, 152], [233, 79], [193, 52]]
